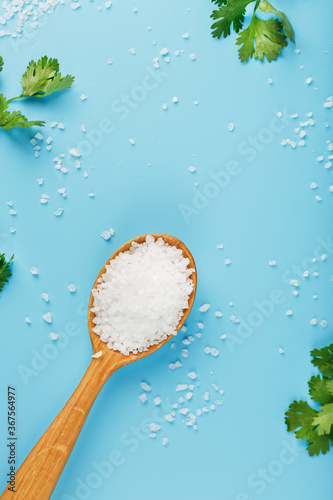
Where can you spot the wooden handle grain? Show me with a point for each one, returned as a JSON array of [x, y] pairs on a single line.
[[39, 473]]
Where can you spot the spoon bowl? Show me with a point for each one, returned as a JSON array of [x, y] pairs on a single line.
[[99, 345], [39, 473]]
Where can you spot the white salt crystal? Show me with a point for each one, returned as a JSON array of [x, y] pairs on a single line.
[[53, 336], [28, 320], [143, 397], [165, 441], [164, 51], [181, 387], [206, 396], [40, 181], [34, 270], [45, 296], [47, 317], [97, 354], [58, 212], [178, 364], [75, 152], [83, 97], [145, 387], [72, 288], [204, 308], [313, 321], [231, 126], [157, 401], [169, 417], [175, 99], [164, 106], [289, 312], [323, 323], [308, 81], [272, 263], [191, 168], [218, 314]]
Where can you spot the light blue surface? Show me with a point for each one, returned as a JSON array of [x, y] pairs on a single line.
[[267, 211]]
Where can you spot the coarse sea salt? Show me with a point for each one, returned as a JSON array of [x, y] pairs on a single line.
[[141, 297]]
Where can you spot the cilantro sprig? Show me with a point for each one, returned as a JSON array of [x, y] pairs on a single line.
[[5, 272], [316, 425], [41, 79], [262, 37]]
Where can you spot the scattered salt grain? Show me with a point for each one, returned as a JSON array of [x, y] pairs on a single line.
[[272, 263], [34, 270], [47, 317], [218, 314], [192, 375], [175, 99], [28, 320], [231, 127], [143, 397], [191, 168], [289, 312], [181, 387], [97, 354], [323, 323], [308, 81], [45, 296], [72, 288], [165, 441], [75, 152], [204, 308], [313, 321], [157, 401], [145, 387], [53, 336]]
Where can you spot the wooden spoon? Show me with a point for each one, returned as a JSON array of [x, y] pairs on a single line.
[[39, 473]]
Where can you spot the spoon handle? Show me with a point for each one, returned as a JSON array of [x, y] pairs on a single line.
[[39, 473]]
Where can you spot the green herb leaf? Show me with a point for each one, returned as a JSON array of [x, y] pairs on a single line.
[[319, 444], [219, 3], [323, 360], [1, 63], [261, 38], [287, 27], [321, 389], [299, 418], [233, 13], [42, 78], [324, 419], [5, 272], [15, 118]]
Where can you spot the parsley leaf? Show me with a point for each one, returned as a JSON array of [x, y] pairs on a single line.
[[5, 272], [324, 419], [261, 37], [1, 63], [15, 118], [319, 444], [42, 78], [233, 13], [321, 390], [219, 3], [307, 423], [267, 37], [323, 360], [287, 27], [299, 419]]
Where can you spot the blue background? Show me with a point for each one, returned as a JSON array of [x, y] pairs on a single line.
[[265, 212]]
